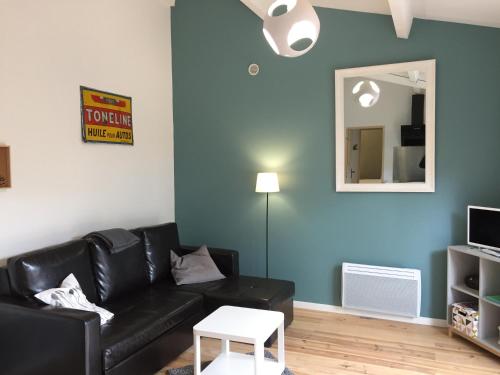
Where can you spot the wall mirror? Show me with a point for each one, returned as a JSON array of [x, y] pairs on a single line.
[[385, 127]]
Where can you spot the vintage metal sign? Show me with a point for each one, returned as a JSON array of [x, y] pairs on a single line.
[[106, 117]]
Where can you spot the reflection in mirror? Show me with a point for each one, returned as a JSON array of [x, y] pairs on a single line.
[[384, 127], [366, 166]]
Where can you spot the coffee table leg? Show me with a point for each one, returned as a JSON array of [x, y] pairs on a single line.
[[281, 343], [224, 347], [197, 355], [259, 357]]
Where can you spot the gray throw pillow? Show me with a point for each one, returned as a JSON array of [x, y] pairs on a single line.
[[196, 267]]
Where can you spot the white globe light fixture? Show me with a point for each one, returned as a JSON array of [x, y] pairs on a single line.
[[291, 27], [366, 93]]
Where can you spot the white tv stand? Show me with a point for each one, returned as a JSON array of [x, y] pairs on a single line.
[[464, 261], [490, 252]]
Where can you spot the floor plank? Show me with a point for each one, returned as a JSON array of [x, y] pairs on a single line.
[[322, 343]]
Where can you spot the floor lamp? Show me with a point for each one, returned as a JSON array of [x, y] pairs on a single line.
[[267, 183]]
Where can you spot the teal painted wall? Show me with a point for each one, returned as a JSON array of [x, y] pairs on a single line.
[[228, 126]]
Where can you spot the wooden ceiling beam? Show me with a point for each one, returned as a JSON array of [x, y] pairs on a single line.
[[402, 16]]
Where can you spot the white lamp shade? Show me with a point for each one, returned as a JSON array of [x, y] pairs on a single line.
[[366, 93], [267, 183], [294, 32]]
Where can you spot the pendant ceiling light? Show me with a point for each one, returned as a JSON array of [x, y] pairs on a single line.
[[291, 27], [366, 93]]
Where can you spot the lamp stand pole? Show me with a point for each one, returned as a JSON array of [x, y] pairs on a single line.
[[267, 235], [267, 182]]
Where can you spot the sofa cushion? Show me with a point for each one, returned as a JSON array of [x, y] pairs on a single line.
[[247, 291], [36, 271], [70, 296], [142, 317], [244, 291], [158, 241], [227, 261], [119, 273], [200, 288], [197, 267]]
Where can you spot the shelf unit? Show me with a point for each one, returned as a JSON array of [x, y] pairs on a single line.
[[464, 261]]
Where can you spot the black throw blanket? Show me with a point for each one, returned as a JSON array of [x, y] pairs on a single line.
[[116, 240]]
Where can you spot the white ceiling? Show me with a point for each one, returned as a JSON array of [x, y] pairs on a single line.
[[474, 12]]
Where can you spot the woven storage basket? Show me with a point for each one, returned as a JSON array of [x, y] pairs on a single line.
[[466, 318]]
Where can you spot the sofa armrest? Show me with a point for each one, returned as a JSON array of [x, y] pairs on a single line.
[[226, 260], [4, 282], [44, 340]]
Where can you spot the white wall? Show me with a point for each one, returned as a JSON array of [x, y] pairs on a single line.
[[63, 188], [392, 110]]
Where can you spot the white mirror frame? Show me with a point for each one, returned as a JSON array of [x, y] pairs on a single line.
[[427, 66]]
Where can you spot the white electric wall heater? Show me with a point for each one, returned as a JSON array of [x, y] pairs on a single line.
[[386, 290]]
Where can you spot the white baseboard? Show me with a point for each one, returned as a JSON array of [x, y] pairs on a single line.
[[341, 310]]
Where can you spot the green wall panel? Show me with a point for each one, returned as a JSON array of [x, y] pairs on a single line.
[[229, 126]]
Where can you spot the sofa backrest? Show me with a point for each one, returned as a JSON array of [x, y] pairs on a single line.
[[158, 241], [4, 282], [119, 273], [102, 275], [33, 272]]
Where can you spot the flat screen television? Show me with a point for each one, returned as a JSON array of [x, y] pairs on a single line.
[[484, 227]]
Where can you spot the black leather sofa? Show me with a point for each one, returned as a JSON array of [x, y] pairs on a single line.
[[153, 317]]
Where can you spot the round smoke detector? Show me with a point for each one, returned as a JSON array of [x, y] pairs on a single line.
[[253, 69]]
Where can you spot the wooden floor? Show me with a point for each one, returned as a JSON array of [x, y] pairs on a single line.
[[320, 343]]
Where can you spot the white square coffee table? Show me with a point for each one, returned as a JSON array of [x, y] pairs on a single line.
[[250, 326]]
